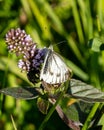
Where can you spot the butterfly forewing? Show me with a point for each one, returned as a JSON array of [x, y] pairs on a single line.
[[54, 69]]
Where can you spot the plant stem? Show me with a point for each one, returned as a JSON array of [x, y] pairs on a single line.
[[90, 116], [53, 108]]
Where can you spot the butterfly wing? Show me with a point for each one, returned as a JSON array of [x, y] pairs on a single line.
[[54, 69]]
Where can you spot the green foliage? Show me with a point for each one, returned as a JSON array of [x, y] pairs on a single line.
[[51, 22], [96, 44]]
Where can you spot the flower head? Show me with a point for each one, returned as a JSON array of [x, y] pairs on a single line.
[[32, 58], [20, 43]]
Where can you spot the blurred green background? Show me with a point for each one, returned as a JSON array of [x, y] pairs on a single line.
[[72, 22]]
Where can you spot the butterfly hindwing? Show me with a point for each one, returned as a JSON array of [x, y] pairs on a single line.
[[54, 69]]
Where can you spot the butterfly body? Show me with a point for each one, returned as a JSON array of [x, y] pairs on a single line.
[[54, 70]]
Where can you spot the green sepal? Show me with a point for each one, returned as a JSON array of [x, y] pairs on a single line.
[[43, 105]]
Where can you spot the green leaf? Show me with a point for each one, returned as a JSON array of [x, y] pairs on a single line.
[[96, 44], [76, 112], [26, 93], [85, 92], [65, 116]]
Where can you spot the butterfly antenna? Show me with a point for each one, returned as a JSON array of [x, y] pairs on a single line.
[[51, 46], [59, 43]]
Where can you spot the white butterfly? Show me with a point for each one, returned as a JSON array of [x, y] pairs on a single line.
[[54, 70]]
